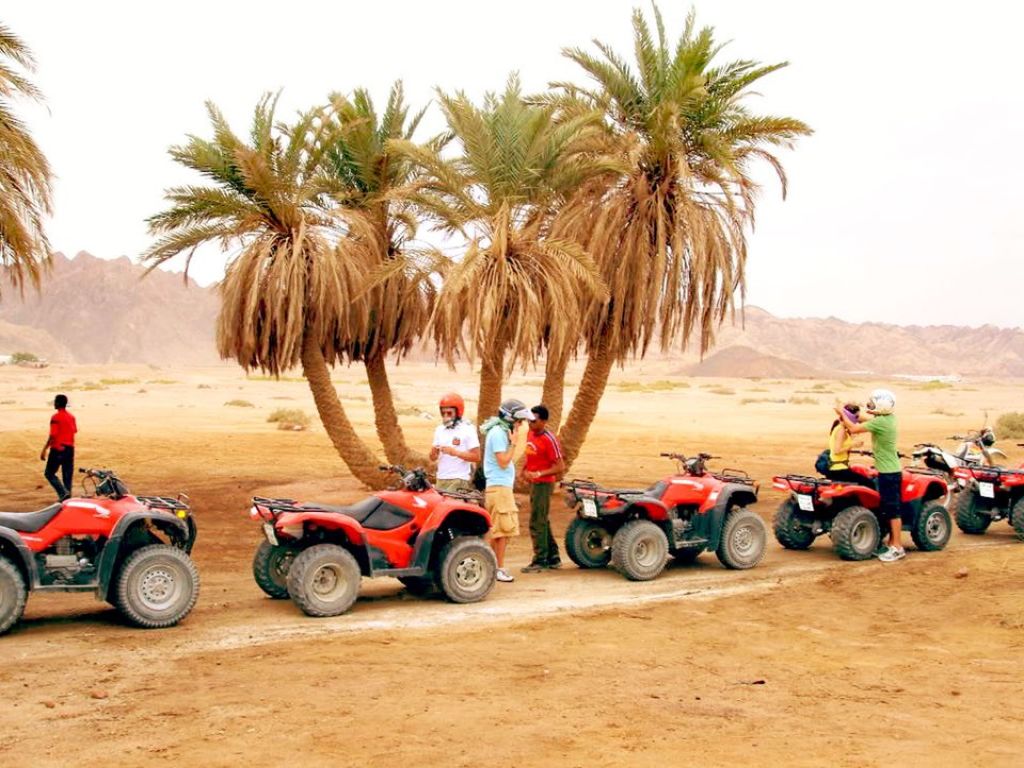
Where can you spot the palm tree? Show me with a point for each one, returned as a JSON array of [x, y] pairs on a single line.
[[25, 177], [371, 177], [669, 228], [515, 291], [290, 292]]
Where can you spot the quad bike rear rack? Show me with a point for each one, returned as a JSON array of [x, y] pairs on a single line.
[[593, 487], [994, 473], [927, 471], [164, 502], [731, 475], [280, 505], [472, 497]]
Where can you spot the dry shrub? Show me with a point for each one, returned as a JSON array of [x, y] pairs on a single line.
[[291, 419], [1010, 425], [803, 400], [239, 404]]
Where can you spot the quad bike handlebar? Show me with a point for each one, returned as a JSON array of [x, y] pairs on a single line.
[[691, 465], [105, 482], [412, 479]]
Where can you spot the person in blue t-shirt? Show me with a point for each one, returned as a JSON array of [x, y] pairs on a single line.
[[504, 443]]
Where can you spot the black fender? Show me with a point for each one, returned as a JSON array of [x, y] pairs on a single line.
[[455, 522], [730, 495], [911, 510], [649, 509], [13, 546], [113, 551]]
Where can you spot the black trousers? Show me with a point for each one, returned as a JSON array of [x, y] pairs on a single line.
[[64, 460]]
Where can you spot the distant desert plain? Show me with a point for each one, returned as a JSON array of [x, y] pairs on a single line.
[[804, 660]]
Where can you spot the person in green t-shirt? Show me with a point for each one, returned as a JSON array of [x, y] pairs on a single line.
[[883, 431]]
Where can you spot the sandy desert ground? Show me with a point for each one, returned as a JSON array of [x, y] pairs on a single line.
[[805, 660]]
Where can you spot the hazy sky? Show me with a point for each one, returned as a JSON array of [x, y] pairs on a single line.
[[903, 207]]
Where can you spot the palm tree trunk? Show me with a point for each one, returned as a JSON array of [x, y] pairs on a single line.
[[352, 450], [388, 429], [492, 376], [584, 405], [553, 394]]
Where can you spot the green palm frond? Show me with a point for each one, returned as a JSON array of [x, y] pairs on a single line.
[[515, 291], [668, 216]]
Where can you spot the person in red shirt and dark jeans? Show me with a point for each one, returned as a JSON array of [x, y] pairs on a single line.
[[61, 445], [544, 466]]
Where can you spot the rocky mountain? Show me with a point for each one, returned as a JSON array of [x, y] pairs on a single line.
[[835, 345], [93, 310]]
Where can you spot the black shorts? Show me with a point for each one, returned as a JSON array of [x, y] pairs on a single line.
[[889, 485]]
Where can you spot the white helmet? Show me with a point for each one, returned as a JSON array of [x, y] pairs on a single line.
[[882, 402]]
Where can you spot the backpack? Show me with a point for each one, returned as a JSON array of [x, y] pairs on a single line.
[[479, 480], [823, 462]]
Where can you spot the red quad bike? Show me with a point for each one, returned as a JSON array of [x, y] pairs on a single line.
[[131, 551], [683, 515], [990, 494], [847, 511], [317, 553]]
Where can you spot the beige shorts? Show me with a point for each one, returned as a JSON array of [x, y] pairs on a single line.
[[501, 505], [456, 485]]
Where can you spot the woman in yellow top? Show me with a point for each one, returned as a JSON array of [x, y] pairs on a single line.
[[840, 441]]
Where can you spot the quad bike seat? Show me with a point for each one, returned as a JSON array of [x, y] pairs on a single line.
[[372, 513], [29, 522]]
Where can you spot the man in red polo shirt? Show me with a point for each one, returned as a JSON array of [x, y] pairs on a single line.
[[61, 444], [544, 466]]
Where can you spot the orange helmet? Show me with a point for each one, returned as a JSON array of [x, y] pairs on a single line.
[[453, 400]]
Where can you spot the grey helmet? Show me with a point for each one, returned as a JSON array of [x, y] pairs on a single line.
[[515, 410]]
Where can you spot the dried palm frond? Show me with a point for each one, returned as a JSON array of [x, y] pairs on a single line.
[[299, 260], [25, 175]]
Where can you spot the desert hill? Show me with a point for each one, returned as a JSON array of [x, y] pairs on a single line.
[[744, 362], [835, 345], [97, 310], [93, 310]]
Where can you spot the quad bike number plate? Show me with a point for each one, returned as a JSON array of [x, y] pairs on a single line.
[[987, 490], [805, 502], [268, 530], [589, 508]]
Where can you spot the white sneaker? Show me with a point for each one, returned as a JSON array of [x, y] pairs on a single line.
[[503, 575], [892, 554]]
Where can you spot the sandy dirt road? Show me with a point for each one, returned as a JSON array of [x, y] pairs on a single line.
[[804, 660]]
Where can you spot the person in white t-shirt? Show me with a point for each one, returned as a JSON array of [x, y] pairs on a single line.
[[456, 446]]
